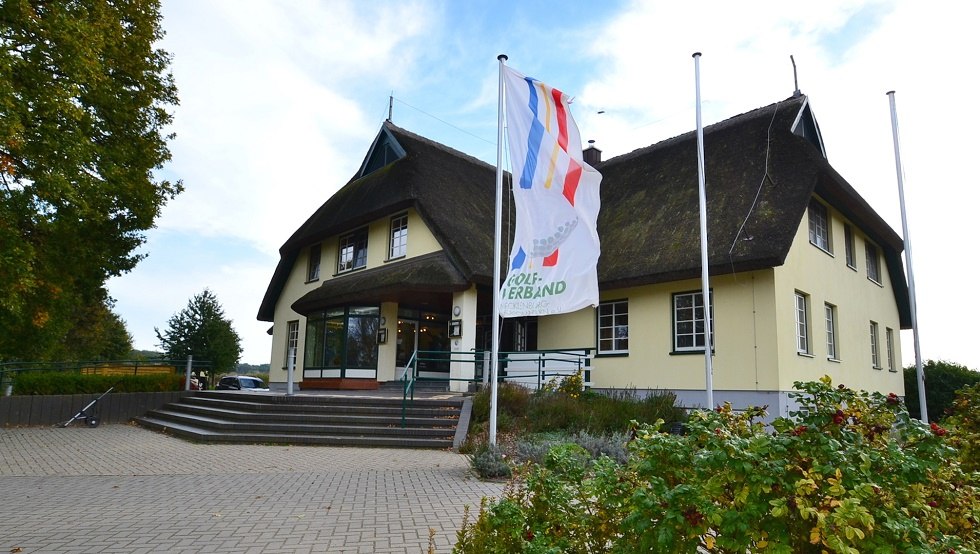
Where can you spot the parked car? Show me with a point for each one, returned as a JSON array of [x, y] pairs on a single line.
[[240, 382]]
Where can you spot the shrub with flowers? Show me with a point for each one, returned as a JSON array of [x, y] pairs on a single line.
[[850, 472]]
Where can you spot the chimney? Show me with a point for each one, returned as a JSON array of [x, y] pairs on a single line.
[[591, 154]]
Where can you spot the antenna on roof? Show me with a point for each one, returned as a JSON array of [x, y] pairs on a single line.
[[796, 84], [391, 101]]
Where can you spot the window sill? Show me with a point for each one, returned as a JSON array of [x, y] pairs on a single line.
[[346, 271], [402, 257], [804, 354], [618, 354], [877, 367], [312, 281], [852, 267], [699, 352], [835, 360], [893, 370], [876, 282], [822, 249]]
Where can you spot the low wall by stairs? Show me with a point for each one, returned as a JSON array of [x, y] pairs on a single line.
[[115, 407]]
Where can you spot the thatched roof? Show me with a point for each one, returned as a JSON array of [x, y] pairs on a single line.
[[760, 176]]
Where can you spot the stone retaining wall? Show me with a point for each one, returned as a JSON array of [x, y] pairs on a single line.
[[18, 411]]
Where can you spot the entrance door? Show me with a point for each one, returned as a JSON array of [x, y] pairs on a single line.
[[408, 332]]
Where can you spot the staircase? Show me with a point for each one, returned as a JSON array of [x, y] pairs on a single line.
[[218, 416]]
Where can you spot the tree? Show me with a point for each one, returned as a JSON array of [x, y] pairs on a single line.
[[201, 330], [943, 379], [84, 96]]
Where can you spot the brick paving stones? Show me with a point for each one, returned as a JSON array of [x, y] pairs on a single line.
[[122, 489]]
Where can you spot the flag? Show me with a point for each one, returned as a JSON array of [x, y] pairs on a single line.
[[552, 264]]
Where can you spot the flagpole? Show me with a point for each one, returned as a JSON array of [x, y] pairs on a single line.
[[497, 233], [919, 373], [702, 202]]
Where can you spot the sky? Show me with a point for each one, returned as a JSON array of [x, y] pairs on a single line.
[[280, 100]]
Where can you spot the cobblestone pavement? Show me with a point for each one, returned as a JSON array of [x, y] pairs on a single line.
[[120, 488]]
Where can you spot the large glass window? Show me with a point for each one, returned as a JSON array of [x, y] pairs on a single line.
[[802, 323], [342, 338], [830, 316], [689, 320], [819, 226], [874, 266], [614, 327], [353, 251], [313, 267], [398, 238]]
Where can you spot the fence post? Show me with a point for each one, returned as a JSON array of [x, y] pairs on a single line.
[[187, 376], [290, 366]]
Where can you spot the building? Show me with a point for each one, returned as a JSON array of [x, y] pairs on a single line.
[[806, 279]]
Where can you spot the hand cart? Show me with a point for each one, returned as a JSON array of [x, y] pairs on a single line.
[[91, 420]]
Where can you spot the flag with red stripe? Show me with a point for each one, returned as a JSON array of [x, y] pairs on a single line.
[[552, 266]]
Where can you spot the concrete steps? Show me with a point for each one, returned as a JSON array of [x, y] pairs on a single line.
[[217, 416]]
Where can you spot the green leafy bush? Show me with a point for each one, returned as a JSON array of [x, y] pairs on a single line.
[[943, 379], [852, 472], [67, 382], [964, 424], [490, 462]]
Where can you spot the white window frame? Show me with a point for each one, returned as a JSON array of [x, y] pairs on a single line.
[[398, 236], [292, 341], [697, 297], [890, 349], [830, 319], [849, 253], [875, 353], [819, 226], [612, 327], [349, 261], [873, 261], [801, 306], [313, 263]]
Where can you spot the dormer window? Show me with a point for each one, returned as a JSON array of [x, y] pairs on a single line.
[[353, 251]]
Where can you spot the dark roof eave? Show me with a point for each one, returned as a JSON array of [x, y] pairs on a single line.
[[690, 273]]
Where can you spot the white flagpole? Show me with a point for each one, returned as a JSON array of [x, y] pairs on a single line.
[[497, 232], [705, 293], [919, 373]]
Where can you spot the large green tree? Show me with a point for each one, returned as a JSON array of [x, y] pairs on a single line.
[[202, 331], [84, 100]]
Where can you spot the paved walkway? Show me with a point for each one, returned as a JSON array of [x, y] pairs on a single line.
[[120, 488]]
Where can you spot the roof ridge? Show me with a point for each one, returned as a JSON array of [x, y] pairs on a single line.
[[717, 126], [438, 145]]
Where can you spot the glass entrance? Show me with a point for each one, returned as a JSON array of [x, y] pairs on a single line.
[[408, 331]]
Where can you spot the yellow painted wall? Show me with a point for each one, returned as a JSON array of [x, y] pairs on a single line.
[[420, 241], [744, 347], [826, 278]]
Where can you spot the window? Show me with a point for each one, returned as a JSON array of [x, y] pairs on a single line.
[[849, 247], [830, 315], [802, 323], [344, 338], [313, 267], [819, 226], [292, 343], [874, 267], [890, 348], [614, 327], [398, 237], [689, 321], [875, 357], [353, 251]]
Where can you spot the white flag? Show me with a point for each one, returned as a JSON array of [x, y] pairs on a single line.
[[552, 265]]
